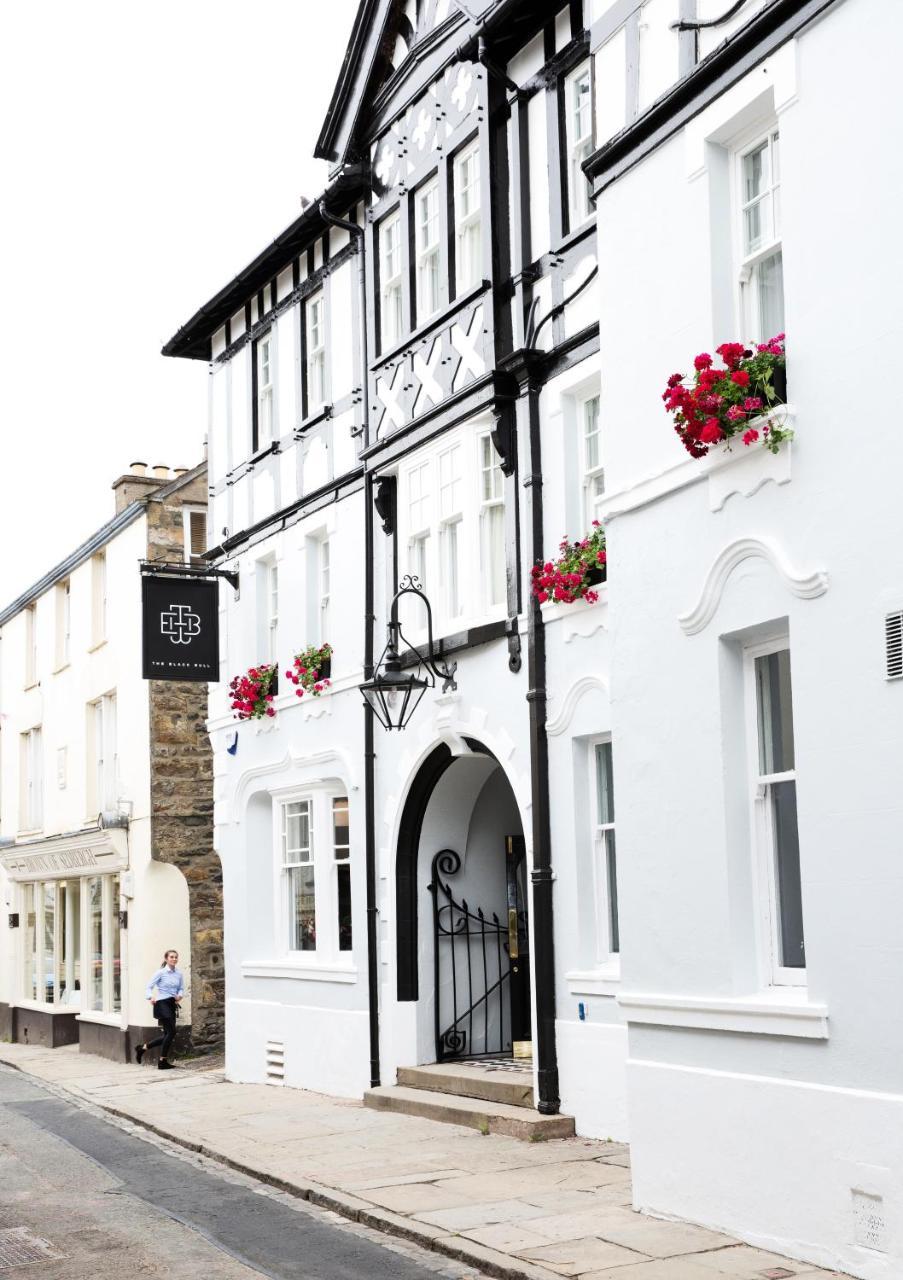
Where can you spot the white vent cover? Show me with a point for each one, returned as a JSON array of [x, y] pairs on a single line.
[[893, 636], [275, 1062]]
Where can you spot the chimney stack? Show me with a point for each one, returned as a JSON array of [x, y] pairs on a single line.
[[136, 483]]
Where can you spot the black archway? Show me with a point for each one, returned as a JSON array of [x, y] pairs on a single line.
[[406, 910]]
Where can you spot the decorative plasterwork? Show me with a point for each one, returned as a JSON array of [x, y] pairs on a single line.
[[806, 586], [251, 777], [746, 471], [560, 722]]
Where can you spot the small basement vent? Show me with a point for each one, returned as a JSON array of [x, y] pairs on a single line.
[[893, 636], [275, 1062]]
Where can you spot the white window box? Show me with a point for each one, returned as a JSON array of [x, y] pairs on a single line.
[[745, 469], [787, 1012], [299, 969]]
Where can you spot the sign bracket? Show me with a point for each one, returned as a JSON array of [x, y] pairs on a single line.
[[177, 569]]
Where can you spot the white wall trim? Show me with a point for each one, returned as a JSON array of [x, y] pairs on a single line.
[[789, 1013], [298, 969], [595, 982], [291, 759], [806, 586], [560, 722]]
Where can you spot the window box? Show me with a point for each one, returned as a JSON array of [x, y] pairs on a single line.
[[252, 694], [574, 574], [311, 670]]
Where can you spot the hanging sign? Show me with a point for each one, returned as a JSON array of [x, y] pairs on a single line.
[[180, 628]]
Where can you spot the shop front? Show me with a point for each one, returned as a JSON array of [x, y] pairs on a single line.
[[65, 982]]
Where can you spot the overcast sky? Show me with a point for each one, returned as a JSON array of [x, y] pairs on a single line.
[[148, 153]]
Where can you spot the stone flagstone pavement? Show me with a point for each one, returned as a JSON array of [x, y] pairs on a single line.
[[512, 1209]]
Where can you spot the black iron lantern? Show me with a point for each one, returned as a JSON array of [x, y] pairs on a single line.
[[392, 693]]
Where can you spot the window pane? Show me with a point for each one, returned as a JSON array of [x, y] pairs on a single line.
[[49, 948], [493, 552], [343, 874], [768, 281], [611, 869], [775, 712], [95, 928], [592, 433], [755, 167], [69, 960], [117, 946], [604, 785], [296, 847], [340, 839], [303, 920], [31, 944], [787, 876]]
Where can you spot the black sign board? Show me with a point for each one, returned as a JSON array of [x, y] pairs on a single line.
[[180, 629]]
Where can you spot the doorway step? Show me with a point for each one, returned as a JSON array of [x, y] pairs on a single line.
[[490, 1096]]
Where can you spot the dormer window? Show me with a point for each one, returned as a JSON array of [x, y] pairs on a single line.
[[263, 392], [426, 207], [390, 277], [579, 126], [468, 223]]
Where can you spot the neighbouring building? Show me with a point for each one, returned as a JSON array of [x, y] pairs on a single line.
[[406, 382], [106, 793], [757, 618]]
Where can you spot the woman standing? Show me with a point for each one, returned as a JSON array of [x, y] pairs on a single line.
[[165, 991]]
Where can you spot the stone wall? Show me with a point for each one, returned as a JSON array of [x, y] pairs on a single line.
[[182, 786]]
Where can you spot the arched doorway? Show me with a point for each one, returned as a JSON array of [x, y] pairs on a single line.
[[461, 899]]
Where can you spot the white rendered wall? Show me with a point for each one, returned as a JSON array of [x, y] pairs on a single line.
[[781, 1128]]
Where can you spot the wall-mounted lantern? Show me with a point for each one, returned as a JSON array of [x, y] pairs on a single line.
[[393, 693]]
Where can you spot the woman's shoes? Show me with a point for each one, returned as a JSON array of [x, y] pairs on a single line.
[[163, 1065], [140, 1051]]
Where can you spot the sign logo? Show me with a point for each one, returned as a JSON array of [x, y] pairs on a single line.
[[180, 632], [180, 624]]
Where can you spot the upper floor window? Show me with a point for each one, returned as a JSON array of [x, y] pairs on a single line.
[[103, 755], [31, 645], [63, 623], [263, 391], [271, 611], [194, 534], [315, 849], [579, 131], [390, 281], [426, 223], [323, 588], [451, 504], [98, 599], [774, 799], [761, 261], [608, 941], [468, 223], [31, 773], [492, 524], [593, 462], [315, 312]]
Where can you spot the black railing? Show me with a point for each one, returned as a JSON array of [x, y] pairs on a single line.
[[472, 972]]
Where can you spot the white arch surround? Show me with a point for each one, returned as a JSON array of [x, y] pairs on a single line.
[[583, 685], [246, 782], [806, 586]]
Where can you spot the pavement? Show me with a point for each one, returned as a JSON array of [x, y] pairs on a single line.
[[507, 1208]]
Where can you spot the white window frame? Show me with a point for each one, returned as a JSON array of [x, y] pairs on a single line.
[[98, 599], [607, 935], [324, 861], [271, 610], [428, 258], [103, 755], [315, 350], [264, 354], [63, 624], [31, 791], [593, 473], [748, 311], [324, 588], [189, 517], [579, 135], [774, 974], [469, 222], [31, 644], [491, 506], [391, 281], [451, 531]]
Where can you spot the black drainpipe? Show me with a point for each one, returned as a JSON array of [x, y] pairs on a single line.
[[369, 754]]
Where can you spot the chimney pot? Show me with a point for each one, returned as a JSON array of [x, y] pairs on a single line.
[[138, 468], [161, 472], [179, 471]]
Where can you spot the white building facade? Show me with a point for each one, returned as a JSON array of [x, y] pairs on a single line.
[[756, 619], [416, 395], [89, 902]]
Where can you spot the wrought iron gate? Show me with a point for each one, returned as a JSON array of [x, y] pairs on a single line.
[[472, 969]]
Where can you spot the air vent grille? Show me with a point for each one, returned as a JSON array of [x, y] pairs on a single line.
[[893, 636], [275, 1062]]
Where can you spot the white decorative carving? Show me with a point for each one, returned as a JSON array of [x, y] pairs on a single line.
[[745, 470], [423, 128], [575, 634], [425, 370], [385, 165], [806, 586], [560, 722], [388, 393], [246, 782], [462, 87], [465, 343]]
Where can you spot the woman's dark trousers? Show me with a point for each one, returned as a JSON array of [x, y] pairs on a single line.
[[165, 1013]]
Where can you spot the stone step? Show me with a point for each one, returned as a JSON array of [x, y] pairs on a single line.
[[470, 1080], [475, 1113]]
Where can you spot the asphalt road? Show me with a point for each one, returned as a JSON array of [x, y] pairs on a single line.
[[95, 1199]]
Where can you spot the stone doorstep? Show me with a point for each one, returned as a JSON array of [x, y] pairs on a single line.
[[475, 1113], [471, 1081]]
